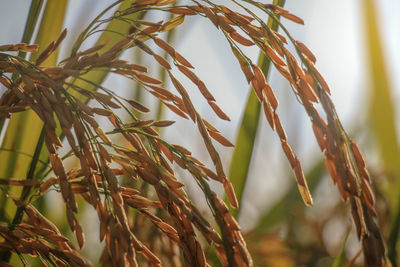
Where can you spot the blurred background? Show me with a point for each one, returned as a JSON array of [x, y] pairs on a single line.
[[356, 45]]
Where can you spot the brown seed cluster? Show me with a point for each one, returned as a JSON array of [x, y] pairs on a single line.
[[138, 177], [40, 237], [52, 95], [344, 160]]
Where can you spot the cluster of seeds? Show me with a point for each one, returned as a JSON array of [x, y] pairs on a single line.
[[51, 92], [343, 159]]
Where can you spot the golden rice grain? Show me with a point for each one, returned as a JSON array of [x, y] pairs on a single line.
[[268, 114], [230, 193], [252, 30], [210, 15], [274, 57], [293, 18], [218, 111], [164, 123], [182, 60], [181, 11], [220, 138], [147, 79], [162, 61], [45, 54], [306, 51], [289, 154], [240, 39], [269, 93], [357, 154], [185, 97], [319, 135], [224, 25], [278, 127], [139, 107], [319, 77], [188, 73], [307, 91], [176, 110], [165, 46], [60, 38]]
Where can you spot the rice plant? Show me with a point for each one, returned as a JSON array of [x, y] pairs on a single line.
[[124, 168]]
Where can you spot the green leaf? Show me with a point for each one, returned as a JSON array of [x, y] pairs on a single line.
[[244, 144], [381, 112], [382, 117], [34, 12], [172, 23], [340, 258]]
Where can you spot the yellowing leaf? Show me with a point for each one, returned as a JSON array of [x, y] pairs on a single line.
[[172, 23]]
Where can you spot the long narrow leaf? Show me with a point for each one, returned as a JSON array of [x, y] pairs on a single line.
[[381, 104], [382, 115], [340, 258], [244, 145], [33, 16]]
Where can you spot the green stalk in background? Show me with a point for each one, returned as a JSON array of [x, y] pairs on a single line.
[[244, 145], [382, 117], [340, 258], [381, 108], [33, 16]]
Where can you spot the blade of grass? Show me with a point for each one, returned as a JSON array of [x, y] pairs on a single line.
[[340, 258], [381, 112], [33, 16], [382, 116], [244, 144], [24, 128]]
